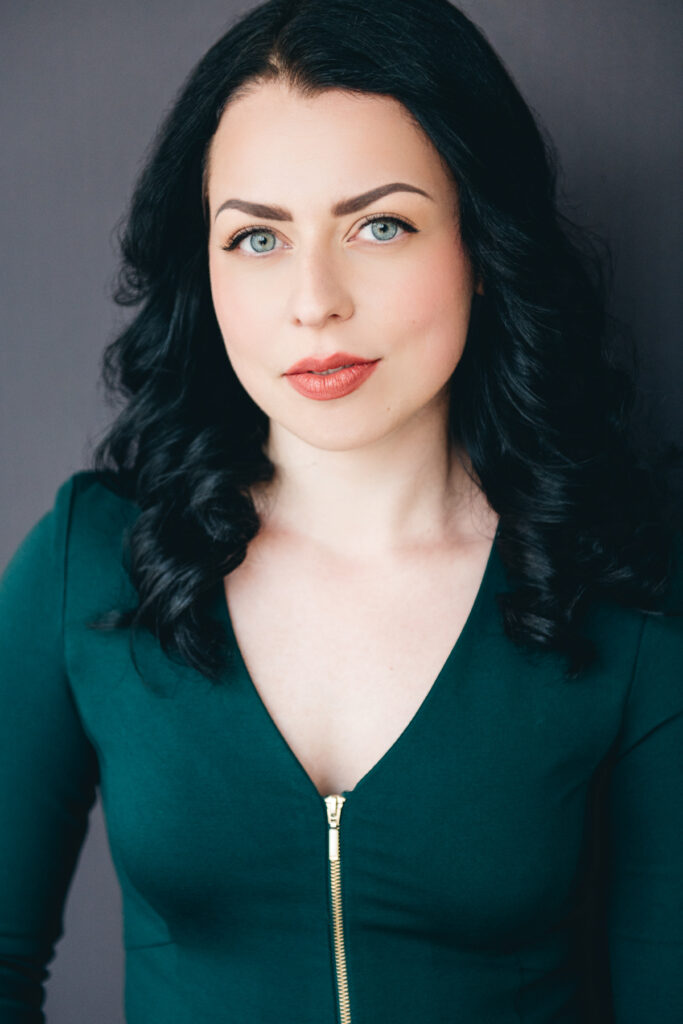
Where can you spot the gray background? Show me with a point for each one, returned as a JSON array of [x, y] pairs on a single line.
[[83, 86]]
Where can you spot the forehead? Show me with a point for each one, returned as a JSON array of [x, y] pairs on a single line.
[[336, 141]]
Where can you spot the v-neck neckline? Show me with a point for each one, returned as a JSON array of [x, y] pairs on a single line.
[[463, 640]]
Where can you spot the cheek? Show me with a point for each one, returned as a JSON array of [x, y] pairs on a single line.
[[240, 311], [431, 305]]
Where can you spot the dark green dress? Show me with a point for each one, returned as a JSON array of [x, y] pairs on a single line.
[[518, 847]]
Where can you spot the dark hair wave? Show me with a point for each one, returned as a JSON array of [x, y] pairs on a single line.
[[543, 399]]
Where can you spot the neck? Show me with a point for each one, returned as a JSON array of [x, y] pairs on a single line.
[[397, 495]]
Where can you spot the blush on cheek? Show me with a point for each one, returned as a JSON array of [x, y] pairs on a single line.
[[430, 311], [438, 293], [240, 311]]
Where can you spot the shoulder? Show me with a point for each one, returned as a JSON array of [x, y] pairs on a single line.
[[655, 695], [76, 548], [98, 519], [660, 651], [674, 598], [87, 508], [70, 555], [88, 491], [99, 497], [44, 546], [639, 664], [619, 620]]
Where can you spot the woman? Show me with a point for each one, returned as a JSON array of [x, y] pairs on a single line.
[[366, 619]]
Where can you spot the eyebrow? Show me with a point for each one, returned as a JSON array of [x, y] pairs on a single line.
[[338, 210]]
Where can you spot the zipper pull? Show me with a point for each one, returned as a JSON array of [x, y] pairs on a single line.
[[334, 804]]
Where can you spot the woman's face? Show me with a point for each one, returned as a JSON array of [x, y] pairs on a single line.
[[310, 281]]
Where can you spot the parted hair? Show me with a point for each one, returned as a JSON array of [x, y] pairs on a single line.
[[544, 400]]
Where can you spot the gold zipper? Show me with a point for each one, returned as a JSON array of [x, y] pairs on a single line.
[[334, 804]]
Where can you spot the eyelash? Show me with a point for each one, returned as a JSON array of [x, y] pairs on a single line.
[[241, 235]]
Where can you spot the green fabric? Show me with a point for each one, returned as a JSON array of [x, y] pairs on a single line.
[[515, 814]]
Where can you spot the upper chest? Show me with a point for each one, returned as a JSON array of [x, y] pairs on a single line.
[[342, 658]]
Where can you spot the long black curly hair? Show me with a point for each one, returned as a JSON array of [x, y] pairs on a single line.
[[543, 398]]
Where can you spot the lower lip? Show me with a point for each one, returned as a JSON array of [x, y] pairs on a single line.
[[331, 385]]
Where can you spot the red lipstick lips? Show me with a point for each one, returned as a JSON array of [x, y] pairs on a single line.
[[331, 363], [345, 373]]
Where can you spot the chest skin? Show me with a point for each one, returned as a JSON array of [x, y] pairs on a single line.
[[342, 655]]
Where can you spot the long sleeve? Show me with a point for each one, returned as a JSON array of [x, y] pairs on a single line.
[[48, 768], [645, 905]]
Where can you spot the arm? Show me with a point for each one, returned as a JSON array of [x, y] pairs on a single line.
[[48, 769], [645, 895]]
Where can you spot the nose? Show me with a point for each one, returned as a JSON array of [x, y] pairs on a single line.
[[318, 287]]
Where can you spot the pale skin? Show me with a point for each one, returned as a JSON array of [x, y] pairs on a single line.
[[374, 539]]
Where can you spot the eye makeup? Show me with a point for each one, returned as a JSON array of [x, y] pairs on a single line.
[[234, 241]]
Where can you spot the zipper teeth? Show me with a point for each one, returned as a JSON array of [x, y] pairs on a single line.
[[340, 955], [334, 806]]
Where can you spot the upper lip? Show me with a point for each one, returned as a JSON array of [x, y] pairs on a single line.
[[329, 363]]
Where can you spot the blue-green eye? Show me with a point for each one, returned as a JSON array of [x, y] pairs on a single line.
[[382, 235], [258, 235], [255, 235]]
